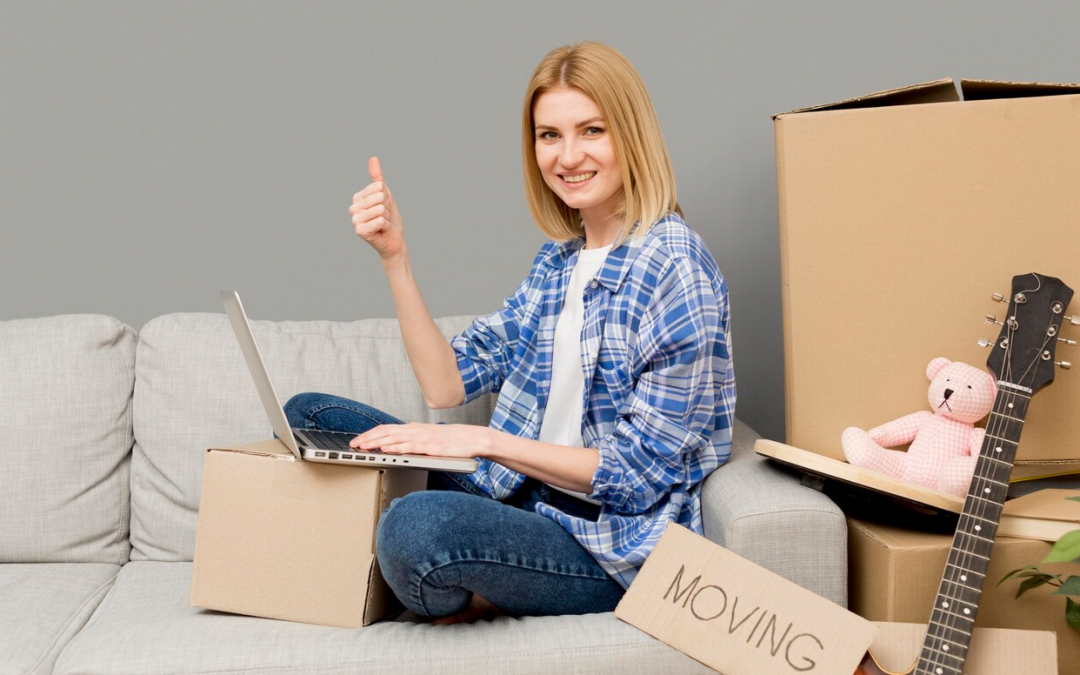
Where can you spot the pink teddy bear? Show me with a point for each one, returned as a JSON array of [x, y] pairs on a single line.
[[945, 443]]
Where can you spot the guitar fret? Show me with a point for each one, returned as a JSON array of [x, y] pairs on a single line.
[[938, 670], [963, 585], [976, 536], [999, 438], [949, 655], [966, 617], [1008, 417], [1015, 387], [953, 565], [953, 629]]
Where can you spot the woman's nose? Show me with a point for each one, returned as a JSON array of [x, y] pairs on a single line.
[[571, 154]]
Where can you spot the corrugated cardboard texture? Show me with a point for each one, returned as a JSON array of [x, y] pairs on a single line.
[[737, 617], [897, 223], [894, 575], [286, 539], [994, 651]]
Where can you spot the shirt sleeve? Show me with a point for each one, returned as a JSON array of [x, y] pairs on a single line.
[[664, 433], [485, 350]]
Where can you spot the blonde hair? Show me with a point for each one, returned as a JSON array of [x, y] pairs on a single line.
[[609, 79]]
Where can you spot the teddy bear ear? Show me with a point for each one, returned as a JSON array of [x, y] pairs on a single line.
[[936, 366]]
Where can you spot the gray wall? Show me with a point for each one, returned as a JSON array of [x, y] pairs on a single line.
[[153, 153]]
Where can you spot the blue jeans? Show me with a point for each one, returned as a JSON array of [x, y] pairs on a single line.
[[437, 548]]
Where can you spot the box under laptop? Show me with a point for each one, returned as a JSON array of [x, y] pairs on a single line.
[[314, 444]]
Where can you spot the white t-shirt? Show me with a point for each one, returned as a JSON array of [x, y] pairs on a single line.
[[564, 412]]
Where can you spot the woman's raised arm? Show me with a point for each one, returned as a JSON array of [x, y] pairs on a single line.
[[377, 221]]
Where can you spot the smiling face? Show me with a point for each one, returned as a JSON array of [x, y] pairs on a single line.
[[576, 155]]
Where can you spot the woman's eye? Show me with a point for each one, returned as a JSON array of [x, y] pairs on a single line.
[[547, 135], [595, 131]]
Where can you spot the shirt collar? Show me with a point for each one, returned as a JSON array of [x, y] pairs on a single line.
[[616, 264]]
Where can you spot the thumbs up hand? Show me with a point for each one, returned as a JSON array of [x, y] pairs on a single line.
[[375, 216]]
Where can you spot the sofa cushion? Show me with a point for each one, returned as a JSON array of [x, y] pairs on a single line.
[[146, 625], [43, 606], [193, 391], [65, 412], [760, 511]]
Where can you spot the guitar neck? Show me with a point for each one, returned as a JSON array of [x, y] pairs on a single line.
[[949, 633]]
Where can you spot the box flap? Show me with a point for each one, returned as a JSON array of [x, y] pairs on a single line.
[[938, 91], [899, 538], [980, 90], [270, 448]]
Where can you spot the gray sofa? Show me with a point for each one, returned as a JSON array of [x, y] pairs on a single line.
[[104, 433]]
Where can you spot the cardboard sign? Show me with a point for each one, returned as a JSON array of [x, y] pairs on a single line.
[[738, 617]]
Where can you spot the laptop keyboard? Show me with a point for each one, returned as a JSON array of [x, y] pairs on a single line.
[[330, 440]]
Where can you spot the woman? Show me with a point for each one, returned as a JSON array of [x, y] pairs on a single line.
[[612, 363]]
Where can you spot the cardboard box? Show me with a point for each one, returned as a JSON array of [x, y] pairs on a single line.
[[900, 213], [993, 651], [894, 574], [286, 539], [737, 617]]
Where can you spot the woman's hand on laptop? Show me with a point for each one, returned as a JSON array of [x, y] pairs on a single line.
[[439, 440], [376, 217]]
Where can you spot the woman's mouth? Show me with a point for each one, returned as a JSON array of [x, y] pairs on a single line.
[[574, 180]]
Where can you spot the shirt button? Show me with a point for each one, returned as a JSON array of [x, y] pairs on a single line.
[[594, 283]]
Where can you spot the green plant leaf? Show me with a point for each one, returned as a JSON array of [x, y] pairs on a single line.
[[1017, 573], [1033, 582], [1067, 548], [1072, 613], [1070, 587]]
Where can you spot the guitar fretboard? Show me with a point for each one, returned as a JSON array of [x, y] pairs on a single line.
[[949, 633]]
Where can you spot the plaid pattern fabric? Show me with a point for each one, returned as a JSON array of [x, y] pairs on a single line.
[[659, 398]]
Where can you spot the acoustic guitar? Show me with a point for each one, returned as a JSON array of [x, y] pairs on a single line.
[[1023, 359]]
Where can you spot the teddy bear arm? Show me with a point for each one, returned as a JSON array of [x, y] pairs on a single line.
[[901, 430]]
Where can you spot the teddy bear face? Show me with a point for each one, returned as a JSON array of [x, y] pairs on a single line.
[[962, 392]]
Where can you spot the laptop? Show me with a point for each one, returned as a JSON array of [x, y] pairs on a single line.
[[318, 445]]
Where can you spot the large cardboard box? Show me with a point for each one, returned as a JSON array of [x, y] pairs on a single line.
[[286, 539], [894, 575], [900, 214]]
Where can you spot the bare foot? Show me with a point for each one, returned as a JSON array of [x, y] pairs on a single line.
[[478, 608]]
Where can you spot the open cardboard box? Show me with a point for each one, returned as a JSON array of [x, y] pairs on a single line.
[[900, 213], [286, 539], [894, 573]]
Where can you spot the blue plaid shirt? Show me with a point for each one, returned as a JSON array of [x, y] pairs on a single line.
[[659, 399]]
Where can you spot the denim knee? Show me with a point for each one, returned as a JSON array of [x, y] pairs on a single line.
[[297, 407], [402, 547]]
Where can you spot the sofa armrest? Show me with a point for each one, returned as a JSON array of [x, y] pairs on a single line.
[[766, 515]]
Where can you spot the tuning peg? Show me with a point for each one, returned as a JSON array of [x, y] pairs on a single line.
[[990, 318], [1063, 364], [1074, 320], [983, 342], [998, 297], [1071, 343]]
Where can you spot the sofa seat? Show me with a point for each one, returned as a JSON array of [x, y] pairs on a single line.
[[42, 605], [146, 625]]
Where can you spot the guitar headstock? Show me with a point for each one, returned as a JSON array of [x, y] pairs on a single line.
[[1023, 353]]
